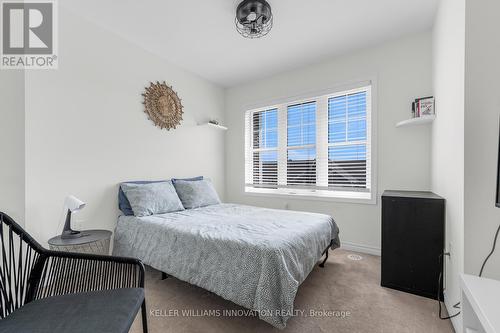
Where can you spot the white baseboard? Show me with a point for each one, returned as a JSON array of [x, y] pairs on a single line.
[[455, 321], [360, 248]]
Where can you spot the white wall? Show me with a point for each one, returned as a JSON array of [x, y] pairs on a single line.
[[482, 110], [12, 144], [448, 133], [86, 130], [402, 69]]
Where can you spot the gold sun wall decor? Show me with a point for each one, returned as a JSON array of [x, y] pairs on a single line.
[[162, 105]]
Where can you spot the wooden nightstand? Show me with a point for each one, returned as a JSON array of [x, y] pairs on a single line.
[[92, 241]]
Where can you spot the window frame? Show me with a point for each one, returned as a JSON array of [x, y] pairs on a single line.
[[321, 98]]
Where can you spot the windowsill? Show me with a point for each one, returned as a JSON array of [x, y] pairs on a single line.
[[339, 196]]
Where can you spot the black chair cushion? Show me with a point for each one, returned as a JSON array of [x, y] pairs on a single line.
[[107, 311]]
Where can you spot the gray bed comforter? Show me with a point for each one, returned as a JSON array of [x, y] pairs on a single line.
[[254, 257]]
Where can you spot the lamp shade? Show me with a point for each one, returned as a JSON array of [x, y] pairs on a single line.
[[73, 204]]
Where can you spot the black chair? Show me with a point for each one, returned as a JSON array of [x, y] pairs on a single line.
[[49, 291]]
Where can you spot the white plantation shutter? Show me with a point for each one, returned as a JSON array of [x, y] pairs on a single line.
[[320, 146], [301, 144], [262, 155], [349, 149]]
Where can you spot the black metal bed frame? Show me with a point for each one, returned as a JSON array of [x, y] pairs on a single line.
[[29, 272], [325, 252]]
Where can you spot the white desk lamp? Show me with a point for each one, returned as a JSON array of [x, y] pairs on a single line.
[[71, 204]]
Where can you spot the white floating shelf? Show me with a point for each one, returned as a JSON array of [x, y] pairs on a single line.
[[416, 121], [220, 127]]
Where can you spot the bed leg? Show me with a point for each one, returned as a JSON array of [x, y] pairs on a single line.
[[324, 261], [164, 275], [326, 254]]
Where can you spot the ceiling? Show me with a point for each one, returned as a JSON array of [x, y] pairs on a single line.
[[200, 36]]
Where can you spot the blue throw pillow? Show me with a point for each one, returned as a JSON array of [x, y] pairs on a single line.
[[196, 194], [123, 202], [152, 198]]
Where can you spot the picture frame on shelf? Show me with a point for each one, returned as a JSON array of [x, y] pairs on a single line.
[[422, 107], [426, 106]]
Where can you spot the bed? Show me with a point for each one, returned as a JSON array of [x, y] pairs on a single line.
[[254, 257]]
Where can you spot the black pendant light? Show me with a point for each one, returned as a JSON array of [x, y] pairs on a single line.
[[254, 18]]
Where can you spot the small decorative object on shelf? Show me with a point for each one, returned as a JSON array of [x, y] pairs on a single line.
[[216, 125], [422, 112], [422, 107]]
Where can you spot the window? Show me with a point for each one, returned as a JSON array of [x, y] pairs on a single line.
[[347, 141], [265, 148], [315, 147], [301, 144]]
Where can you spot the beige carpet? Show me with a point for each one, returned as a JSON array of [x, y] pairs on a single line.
[[343, 285]]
